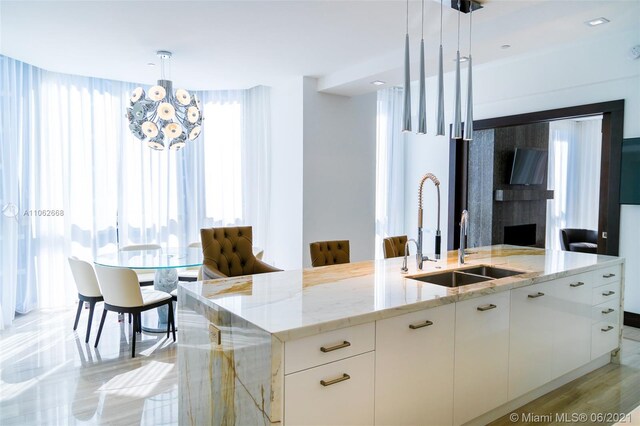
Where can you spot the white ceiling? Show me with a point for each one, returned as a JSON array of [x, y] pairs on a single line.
[[239, 44]]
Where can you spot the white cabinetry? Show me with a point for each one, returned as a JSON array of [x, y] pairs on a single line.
[[481, 355], [572, 320], [531, 338], [414, 368], [329, 377], [605, 313], [450, 364], [338, 393]]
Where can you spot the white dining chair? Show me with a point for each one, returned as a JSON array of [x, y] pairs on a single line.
[[88, 289], [122, 293], [145, 276]]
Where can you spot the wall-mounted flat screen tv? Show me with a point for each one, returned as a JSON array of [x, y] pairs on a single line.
[[529, 167], [630, 173]]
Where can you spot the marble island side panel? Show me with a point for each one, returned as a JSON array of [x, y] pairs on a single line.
[[229, 370]]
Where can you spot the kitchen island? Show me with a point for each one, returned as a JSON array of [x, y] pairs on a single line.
[[362, 343]]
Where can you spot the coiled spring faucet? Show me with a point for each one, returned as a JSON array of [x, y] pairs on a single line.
[[419, 256]]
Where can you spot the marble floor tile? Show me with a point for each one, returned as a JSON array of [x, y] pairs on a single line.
[[49, 375]]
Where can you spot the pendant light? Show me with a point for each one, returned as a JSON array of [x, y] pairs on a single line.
[[457, 113], [440, 106], [406, 118], [468, 123], [422, 105], [164, 115]]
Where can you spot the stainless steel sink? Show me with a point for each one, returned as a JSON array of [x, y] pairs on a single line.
[[452, 278], [466, 276], [491, 271]]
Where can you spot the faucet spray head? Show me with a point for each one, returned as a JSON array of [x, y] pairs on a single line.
[[436, 182]]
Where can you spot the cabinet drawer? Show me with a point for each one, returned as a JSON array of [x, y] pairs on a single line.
[[608, 311], [606, 293], [604, 338], [414, 368], [328, 347], [576, 288], [481, 356], [606, 275], [339, 393]]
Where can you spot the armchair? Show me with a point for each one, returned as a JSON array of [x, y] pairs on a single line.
[[228, 252]]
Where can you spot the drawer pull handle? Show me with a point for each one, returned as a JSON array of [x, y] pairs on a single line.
[[344, 344], [578, 284], [344, 377], [609, 293], [535, 296], [609, 276], [420, 325], [608, 311], [609, 328], [486, 307]]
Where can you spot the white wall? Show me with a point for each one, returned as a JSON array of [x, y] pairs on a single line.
[[559, 77], [285, 240], [339, 170]]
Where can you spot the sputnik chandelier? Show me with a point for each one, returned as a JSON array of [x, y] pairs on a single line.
[[163, 116]]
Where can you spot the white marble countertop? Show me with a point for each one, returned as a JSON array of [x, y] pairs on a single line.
[[295, 304]]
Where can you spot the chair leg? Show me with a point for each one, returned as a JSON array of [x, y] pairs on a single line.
[[104, 315], [173, 321], [133, 337], [92, 306], [80, 303], [169, 318]]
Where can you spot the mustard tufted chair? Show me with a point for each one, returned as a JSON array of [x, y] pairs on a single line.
[[329, 252], [394, 246], [228, 252]]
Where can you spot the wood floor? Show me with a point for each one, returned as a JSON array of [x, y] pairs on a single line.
[[48, 375]]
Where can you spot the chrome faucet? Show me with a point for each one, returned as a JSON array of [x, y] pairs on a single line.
[[404, 268], [464, 229], [420, 258]]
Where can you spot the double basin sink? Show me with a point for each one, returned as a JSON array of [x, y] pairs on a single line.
[[466, 276]]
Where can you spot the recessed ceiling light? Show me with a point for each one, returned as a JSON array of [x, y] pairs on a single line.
[[378, 83], [462, 59], [505, 46], [151, 64], [597, 21]]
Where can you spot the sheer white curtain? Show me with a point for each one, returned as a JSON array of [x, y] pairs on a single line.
[[574, 175], [18, 135], [389, 167], [65, 146], [256, 151]]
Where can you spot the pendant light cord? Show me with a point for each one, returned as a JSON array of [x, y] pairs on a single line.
[[458, 25], [470, 24], [441, 22], [407, 17], [423, 19]]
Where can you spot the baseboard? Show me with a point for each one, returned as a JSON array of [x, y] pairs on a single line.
[[632, 319], [537, 393]]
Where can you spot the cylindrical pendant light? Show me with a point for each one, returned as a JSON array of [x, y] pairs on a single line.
[[422, 105], [457, 110], [406, 117], [468, 123], [440, 106]]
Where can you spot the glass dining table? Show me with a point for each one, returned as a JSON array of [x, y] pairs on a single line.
[[165, 262]]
